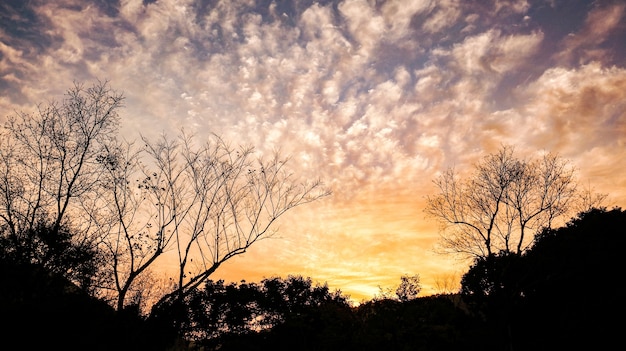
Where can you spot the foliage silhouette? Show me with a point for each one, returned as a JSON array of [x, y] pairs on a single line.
[[540, 300], [232, 311], [40, 309], [291, 313], [533, 301], [54, 250], [409, 287]]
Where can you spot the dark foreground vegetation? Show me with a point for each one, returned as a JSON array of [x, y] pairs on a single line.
[[85, 217], [561, 293]]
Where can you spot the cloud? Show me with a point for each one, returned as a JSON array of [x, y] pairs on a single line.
[[446, 14], [513, 6], [574, 110], [584, 46]]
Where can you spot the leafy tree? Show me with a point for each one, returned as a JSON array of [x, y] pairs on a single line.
[[503, 203], [409, 287], [55, 252], [492, 289], [225, 312], [425, 323], [541, 298], [40, 310], [565, 276]]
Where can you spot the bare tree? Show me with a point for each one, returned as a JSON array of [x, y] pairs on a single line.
[[49, 162], [198, 203], [501, 202], [202, 204], [446, 284]]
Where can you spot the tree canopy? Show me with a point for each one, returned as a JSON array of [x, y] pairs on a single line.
[[552, 296]]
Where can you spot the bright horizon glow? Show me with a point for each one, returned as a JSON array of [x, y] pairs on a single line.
[[375, 98]]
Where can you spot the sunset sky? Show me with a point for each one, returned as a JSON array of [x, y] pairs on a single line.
[[373, 97]]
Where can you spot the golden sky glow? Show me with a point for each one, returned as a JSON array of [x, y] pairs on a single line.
[[373, 97]]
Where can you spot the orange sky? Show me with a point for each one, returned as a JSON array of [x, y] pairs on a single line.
[[375, 98]]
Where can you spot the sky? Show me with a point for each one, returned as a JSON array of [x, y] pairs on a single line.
[[375, 98]]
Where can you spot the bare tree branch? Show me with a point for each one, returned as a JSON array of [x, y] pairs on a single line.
[[501, 202]]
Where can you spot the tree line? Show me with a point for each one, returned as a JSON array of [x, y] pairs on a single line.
[[85, 216], [559, 294]]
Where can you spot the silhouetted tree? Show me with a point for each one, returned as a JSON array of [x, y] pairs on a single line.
[[205, 200], [49, 170], [425, 323], [546, 298], [447, 284], [55, 251], [409, 287], [42, 309], [208, 202], [234, 314], [565, 281], [492, 288], [504, 203]]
